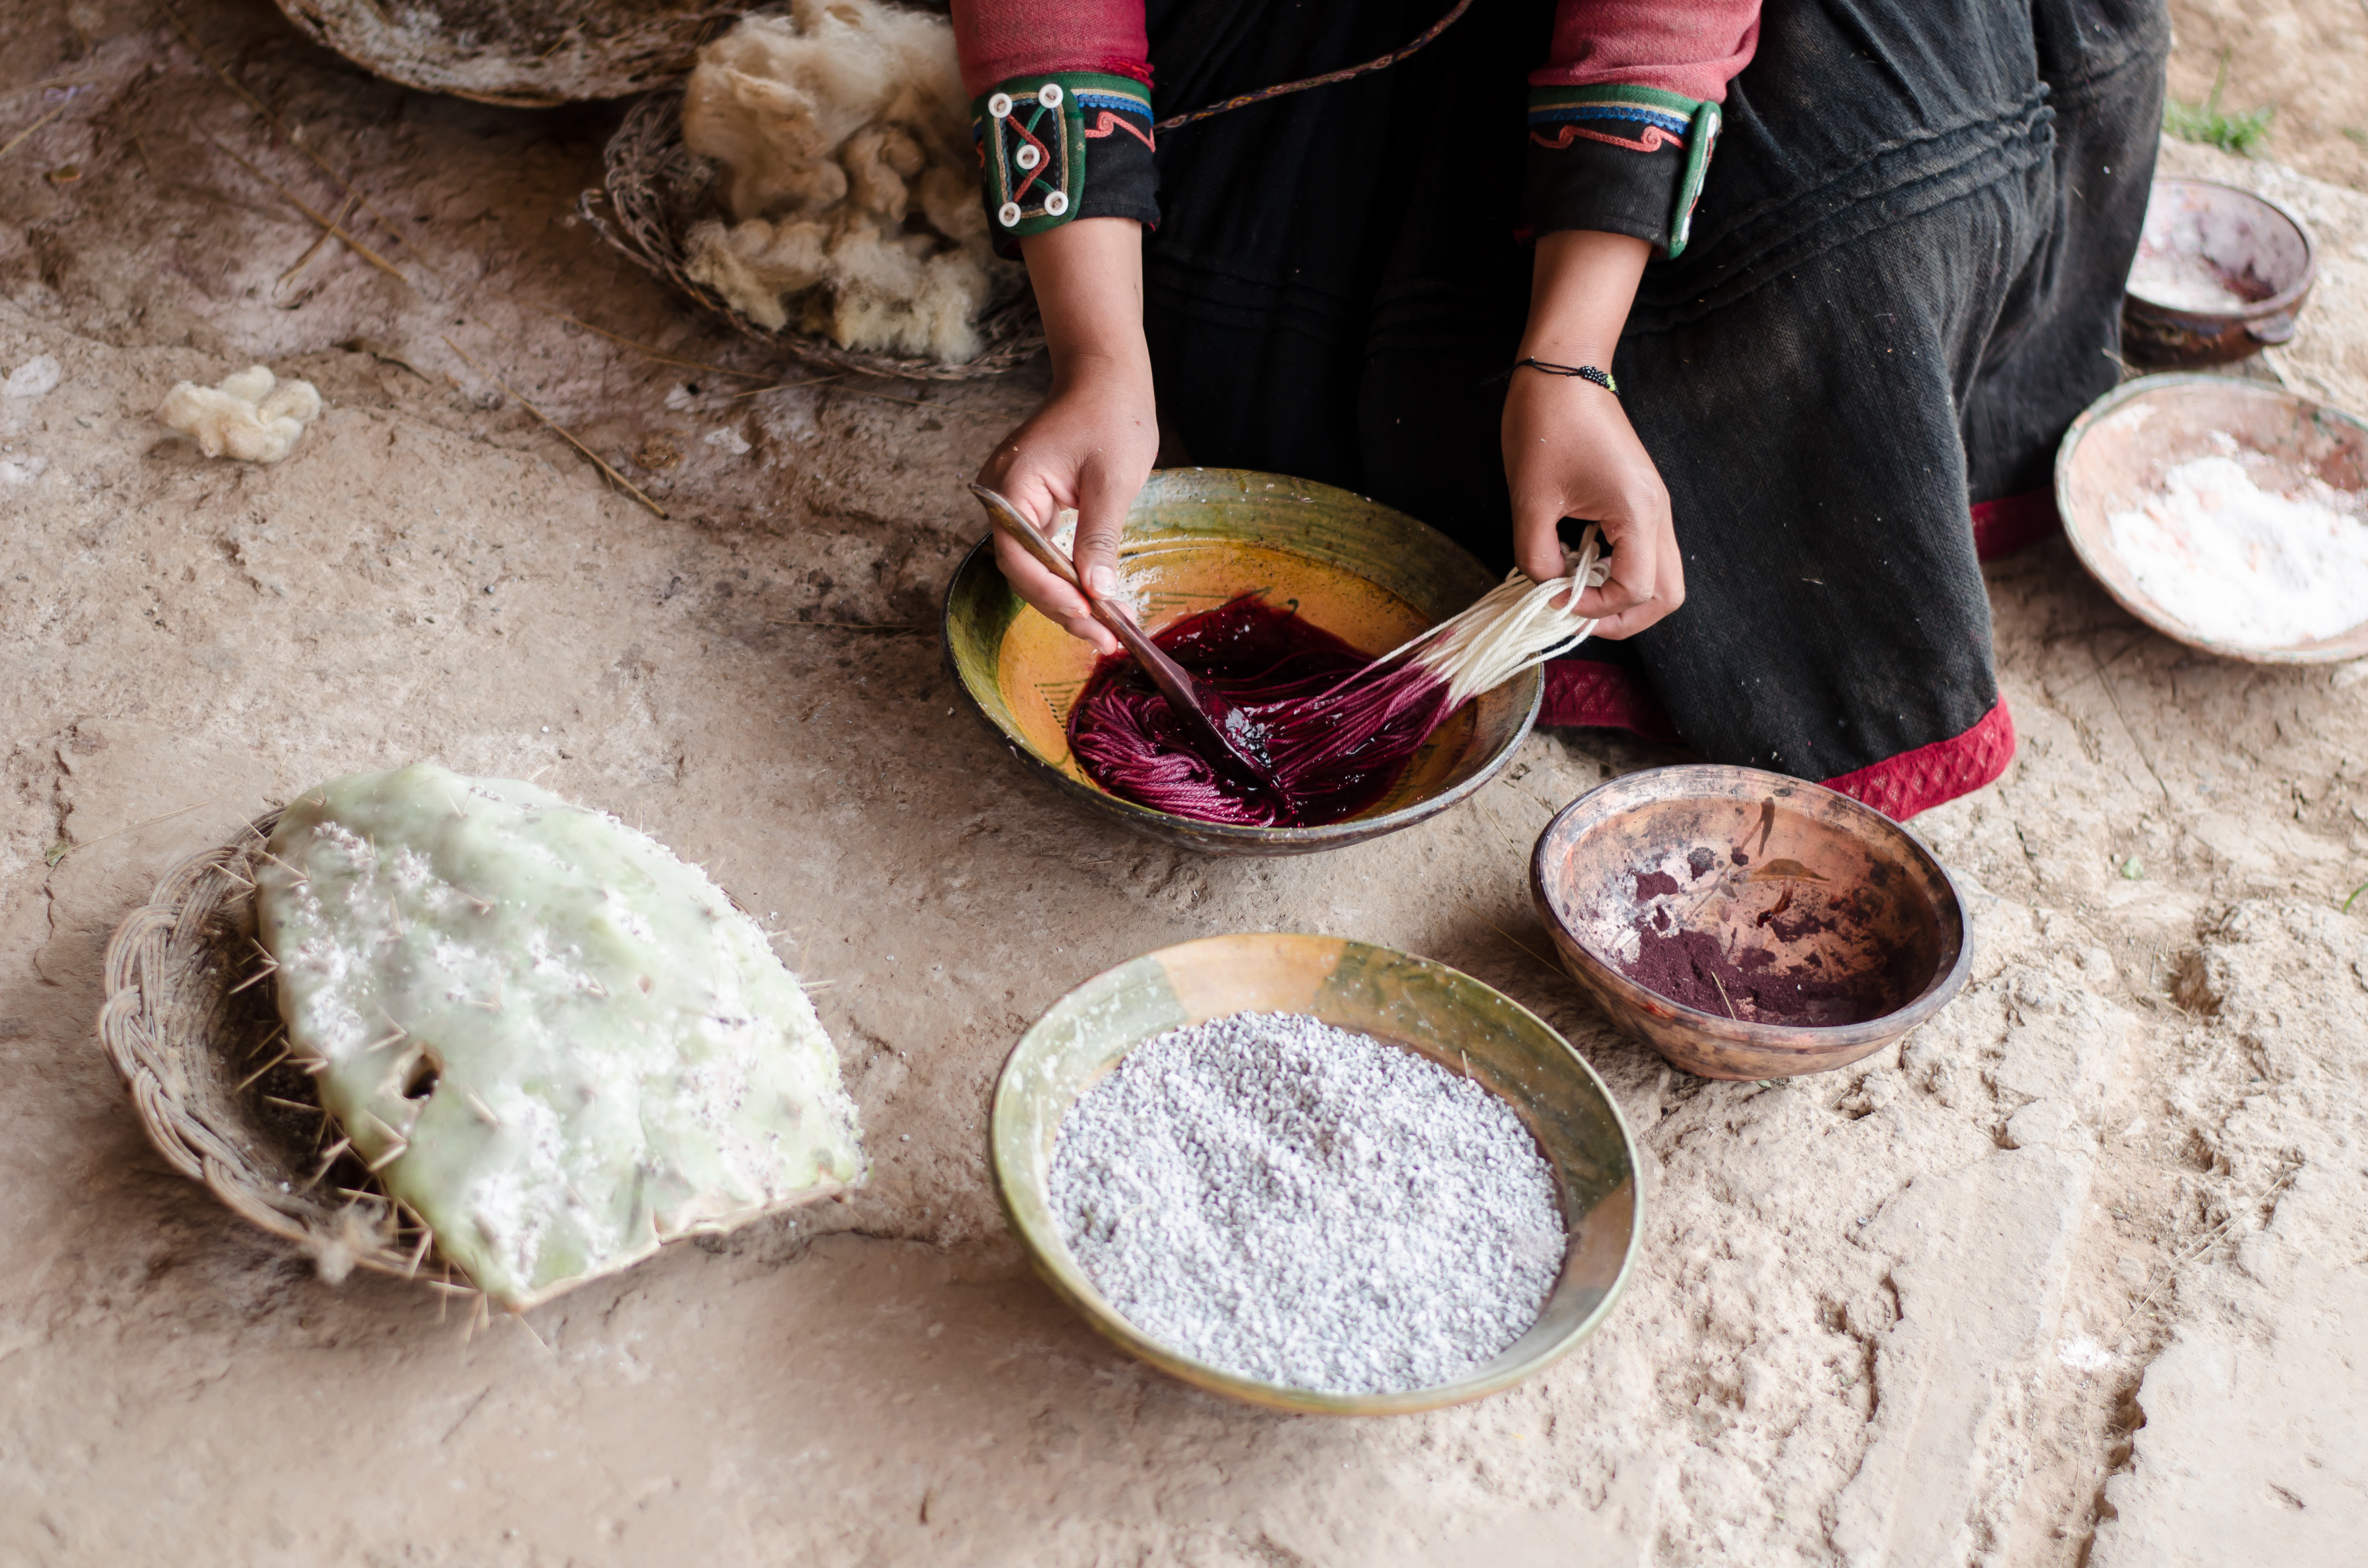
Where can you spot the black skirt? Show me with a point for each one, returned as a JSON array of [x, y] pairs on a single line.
[[1904, 280]]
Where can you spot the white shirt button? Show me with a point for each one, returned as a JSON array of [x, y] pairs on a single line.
[[1028, 158], [1008, 214], [1056, 204], [1049, 95], [999, 105]]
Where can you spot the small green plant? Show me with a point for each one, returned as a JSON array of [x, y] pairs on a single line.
[[2238, 134]]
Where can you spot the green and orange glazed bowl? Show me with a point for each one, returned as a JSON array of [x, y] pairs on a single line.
[[1195, 538]]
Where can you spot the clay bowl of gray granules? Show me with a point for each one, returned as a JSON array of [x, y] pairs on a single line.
[[1747, 925], [1316, 1174]]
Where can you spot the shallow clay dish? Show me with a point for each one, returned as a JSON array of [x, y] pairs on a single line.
[[1410, 1002], [2246, 244], [1195, 538], [1823, 886], [2117, 452]]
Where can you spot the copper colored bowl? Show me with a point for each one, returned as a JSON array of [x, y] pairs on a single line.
[[2246, 244], [1827, 908]]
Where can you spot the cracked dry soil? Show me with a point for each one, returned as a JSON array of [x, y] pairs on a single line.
[[2080, 1275]]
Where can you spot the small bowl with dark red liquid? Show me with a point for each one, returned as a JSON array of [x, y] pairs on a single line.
[[1239, 574], [1747, 925]]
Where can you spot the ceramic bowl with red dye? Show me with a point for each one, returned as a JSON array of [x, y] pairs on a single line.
[[1196, 539], [1747, 925]]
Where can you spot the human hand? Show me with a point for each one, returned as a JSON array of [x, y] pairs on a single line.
[[1569, 450], [1092, 442], [1090, 446]]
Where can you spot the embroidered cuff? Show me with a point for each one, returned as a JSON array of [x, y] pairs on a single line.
[[1622, 160], [1057, 148]]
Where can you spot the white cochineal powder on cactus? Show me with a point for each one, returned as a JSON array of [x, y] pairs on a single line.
[[1310, 1206], [2242, 565]]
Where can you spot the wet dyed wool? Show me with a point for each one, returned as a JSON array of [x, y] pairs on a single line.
[[1308, 1206], [1331, 735]]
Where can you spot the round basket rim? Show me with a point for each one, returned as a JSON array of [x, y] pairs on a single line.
[[167, 950], [629, 212]]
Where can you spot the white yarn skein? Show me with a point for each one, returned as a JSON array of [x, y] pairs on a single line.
[[1512, 626]]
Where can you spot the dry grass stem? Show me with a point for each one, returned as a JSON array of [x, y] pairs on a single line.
[[2196, 1249], [22, 136], [1508, 935], [643, 349], [781, 386], [317, 216], [343, 214], [345, 186], [600, 462]]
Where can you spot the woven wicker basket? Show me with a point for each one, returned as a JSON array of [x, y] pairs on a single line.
[[656, 188], [521, 53], [190, 1025]]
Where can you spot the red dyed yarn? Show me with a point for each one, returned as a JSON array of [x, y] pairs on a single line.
[[1332, 730]]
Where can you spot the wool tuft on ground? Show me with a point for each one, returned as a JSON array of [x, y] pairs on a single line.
[[252, 415]]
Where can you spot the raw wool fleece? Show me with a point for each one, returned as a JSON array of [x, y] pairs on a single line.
[[844, 138], [253, 416]]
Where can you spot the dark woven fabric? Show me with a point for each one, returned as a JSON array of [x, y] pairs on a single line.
[[1903, 282], [1612, 190]]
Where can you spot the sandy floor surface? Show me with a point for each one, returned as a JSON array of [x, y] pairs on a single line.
[[2080, 1275]]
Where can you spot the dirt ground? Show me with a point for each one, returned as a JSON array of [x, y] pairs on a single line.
[[2080, 1275]]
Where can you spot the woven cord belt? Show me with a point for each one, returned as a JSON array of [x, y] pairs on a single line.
[[1263, 94]]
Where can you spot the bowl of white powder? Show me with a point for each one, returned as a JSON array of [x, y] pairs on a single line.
[[1316, 1174], [2219, 273], [2229, 516]]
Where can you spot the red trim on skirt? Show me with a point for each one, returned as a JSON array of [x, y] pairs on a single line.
[[1901, 786], [2012, 522], [1584, 693]]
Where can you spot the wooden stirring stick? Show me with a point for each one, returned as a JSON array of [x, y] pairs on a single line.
[[1197, 706]]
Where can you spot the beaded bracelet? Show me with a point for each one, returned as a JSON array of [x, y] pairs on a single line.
[[1584, 373]]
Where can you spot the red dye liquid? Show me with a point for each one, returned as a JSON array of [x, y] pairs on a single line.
[[1284, 678]]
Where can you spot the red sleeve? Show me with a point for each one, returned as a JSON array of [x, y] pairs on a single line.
[[1693, 48], [999, 40]]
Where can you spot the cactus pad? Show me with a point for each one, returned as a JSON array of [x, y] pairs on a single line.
[[557, 1042]]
